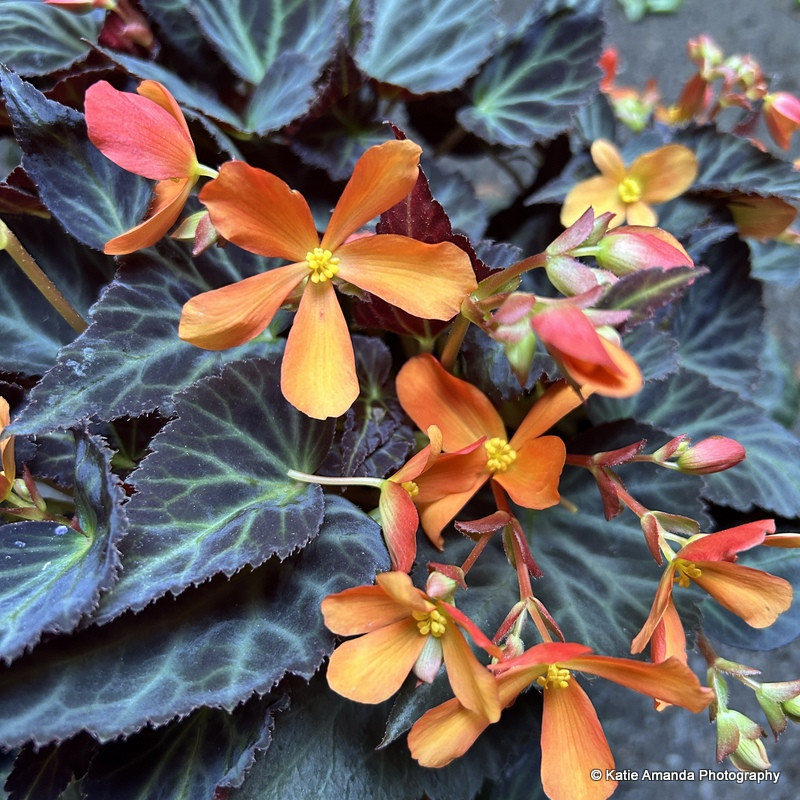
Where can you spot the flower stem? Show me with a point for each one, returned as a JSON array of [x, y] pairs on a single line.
[[326, 480], [13, 246], [454, 340]]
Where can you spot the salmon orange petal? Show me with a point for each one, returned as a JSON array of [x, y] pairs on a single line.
[[432, 396], [158, 93], [668, 680], [372, 668], [234, 314], [569, 331], [573, 744], [360, 610], [151, 142], [607, 159], [599, 193], [724, 545], [664, 173], [382, 177], [422, 460], [756, 596], [473, 685], [641, 214], [625, 380], [399, 521], [427, 280], [169, 200], [259, 212], [445, 733], [318, 372], [557, 401], [400, 588], [660, 601], [532, 479]]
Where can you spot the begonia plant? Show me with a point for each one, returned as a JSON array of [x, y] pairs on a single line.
[[377, 375]]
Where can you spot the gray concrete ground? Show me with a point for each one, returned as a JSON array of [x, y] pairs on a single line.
[[676, 740]]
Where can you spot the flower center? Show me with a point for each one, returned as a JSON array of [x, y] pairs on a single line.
[[630, 190], [411, 488], [499, 455], [685, 570], [556, 678], [322, 264], [430, 623]]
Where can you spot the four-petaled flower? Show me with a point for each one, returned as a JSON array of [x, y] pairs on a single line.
[[528, 465], [259, 212], [708, 560], [6, 452], [400, 628], [572, 740], [145, 133], [628, 192]]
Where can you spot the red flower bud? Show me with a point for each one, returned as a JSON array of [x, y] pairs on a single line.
[[714, 454]]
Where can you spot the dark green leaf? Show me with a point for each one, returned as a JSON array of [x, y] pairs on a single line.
[[426, 46], [213, 646], [52, 575], [191, 758], [775, 262], [36, 39], [130, 359], [213, 496], [89, 195], [530, 89]]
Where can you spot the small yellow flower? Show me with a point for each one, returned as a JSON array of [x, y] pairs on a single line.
[[628, 192]]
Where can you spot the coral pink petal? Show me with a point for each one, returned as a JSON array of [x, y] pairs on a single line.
[[399, 521], [724, 545], [318, 373], [150, 142], [259, 212], [382, 177], [158, 93]]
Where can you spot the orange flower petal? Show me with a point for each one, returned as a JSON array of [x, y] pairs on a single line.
[[360, 610], [756, 596], [664, 173], [427, 280], [669, 641], [532, 480], [318, 373], [7, 451], [624, 380], [607, 159], [399, 521], [372, 668], [724, 545], [259, 212], [599, 193], [473, 684], [432, 396], [422, 460], [383, 176], [573, 744], [557, 401], [151, 142], [660, 601], [169, 198], [399, 587], [668, 680], [641, 214], [158, 93], [234, 314]]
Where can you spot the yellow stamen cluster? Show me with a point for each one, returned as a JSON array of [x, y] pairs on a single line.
[[430, 623], [630, 190], [411, 488], [322, 264], [557, 677], [499, 455], [685, 570]]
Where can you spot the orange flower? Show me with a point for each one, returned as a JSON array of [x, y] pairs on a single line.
[[585, 358], [259, 212], [403, 629], [528, 466], [6, 452], [628, 192], [145, 134], [708, 560], [573, 743]]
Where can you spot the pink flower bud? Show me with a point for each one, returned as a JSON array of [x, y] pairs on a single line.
[[635, 247], [714, 454], [782, 115]]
